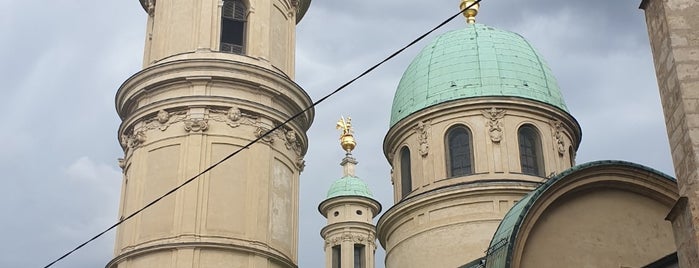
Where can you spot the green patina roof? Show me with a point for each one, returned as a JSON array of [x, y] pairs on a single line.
[[499, 253], [349, 186], [302, 8], [476, 61]]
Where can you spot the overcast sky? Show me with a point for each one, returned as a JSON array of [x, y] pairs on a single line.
[[61, 63]]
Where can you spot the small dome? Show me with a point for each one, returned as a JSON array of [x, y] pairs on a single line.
[[476, 61], [349, 186]]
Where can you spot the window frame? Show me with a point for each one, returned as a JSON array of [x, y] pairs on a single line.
[[406, 177], [536, 157], [448, 151], [229, 32]]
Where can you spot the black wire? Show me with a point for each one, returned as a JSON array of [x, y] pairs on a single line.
[[266, 133]]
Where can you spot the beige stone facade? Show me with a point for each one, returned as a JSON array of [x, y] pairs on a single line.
[[190, 108], [672, 28], [349, 228], [448, 221]]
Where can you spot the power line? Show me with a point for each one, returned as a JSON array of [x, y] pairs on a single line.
[[372, 68]]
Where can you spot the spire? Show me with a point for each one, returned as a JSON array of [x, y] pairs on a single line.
[[471, 12], [348, 143]]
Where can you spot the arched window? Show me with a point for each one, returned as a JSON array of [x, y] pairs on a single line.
[[233, 26], [459, 155], [406, 179], [530, 156]]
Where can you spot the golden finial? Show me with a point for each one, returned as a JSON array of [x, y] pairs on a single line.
[[346, 138], [471, 12]]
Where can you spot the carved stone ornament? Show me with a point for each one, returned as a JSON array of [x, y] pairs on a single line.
[[122, 163], [494, 124], [558, 137], [260, 131], [354, 238], [422, 131], [164, 119], [300, 164], [133, 140], [150, 7], [292, 143], [233, 117], [196, 125]]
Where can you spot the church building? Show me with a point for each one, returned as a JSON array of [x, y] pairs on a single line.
[[480, 141]]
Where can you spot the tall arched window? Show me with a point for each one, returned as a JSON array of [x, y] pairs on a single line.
[[530, 156], [233, 26], [459, 152], [406, 179]]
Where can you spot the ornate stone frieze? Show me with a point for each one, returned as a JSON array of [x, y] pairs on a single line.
[[164, 119], [335, 240], [133, 140], [494, 124], [423, 132], [196, 125], [260, 132], [233, 117], [557, 129]]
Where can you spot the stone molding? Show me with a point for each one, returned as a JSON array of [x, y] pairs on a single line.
[[232, 117]]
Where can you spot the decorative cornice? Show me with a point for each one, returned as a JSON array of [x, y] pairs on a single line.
[[233, 117]]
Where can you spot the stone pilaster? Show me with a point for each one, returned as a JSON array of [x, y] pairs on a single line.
[[672, 29]]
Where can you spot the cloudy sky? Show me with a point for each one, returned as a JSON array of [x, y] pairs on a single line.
[[61, 63]]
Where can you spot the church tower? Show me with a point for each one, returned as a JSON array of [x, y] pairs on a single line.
[[477, 122], [350, 235], [216, 75]]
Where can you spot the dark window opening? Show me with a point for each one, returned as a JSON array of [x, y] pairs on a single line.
[[530, 151], [406, 180], [337, 257], [359, 256], [459, 154], [233, 26]]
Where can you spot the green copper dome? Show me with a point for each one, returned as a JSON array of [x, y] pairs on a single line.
[[477, 61], [349, 186]]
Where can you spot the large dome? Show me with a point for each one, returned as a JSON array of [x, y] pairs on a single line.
[[477, 61]]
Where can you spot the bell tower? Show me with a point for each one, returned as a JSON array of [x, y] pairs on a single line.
[[217, 75]]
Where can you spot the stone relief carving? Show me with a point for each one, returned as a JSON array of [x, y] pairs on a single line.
[[354, 238], [233, 117], [164, 119], [558, 137], [150, 7], [122, 163], [260, 131], [196, 125], [422, 131], [300, 163], [494, 123], [292, 143], [133, 140]]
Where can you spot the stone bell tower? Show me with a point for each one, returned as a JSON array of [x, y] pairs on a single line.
[[217, 74]]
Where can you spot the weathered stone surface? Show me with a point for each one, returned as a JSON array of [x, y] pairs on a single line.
[[672, 28]]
